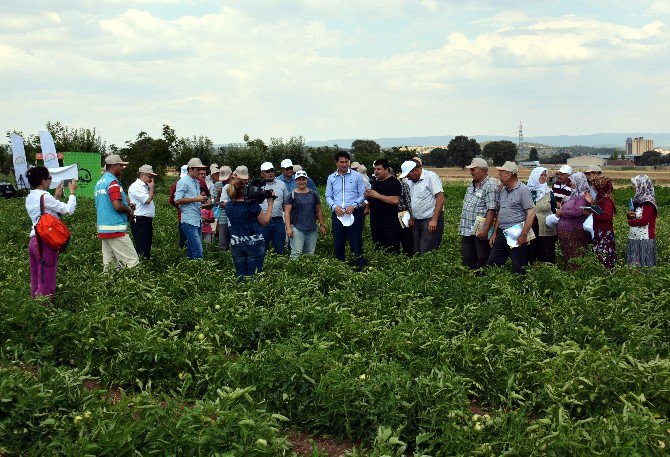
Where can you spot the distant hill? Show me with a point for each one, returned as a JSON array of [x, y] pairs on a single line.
[[596, 139]]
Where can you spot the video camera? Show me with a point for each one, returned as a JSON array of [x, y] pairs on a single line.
[[254, 192]]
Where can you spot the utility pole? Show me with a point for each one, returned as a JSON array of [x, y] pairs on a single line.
[[520, 152]]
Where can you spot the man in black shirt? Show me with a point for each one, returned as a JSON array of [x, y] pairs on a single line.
[[383, 201]]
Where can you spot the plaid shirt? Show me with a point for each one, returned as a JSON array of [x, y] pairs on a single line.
[[476, 203]]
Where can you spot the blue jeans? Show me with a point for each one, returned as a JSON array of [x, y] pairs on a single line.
[[355, 235], [303, 242], [193, 236], [275, 233], [247, 257]]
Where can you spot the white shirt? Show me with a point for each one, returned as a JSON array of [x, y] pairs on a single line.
[[51, 206], [280, 190], [138, 193], [422, 194]]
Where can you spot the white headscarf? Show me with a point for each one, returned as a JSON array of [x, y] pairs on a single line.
[[534, 183], [579, 185]]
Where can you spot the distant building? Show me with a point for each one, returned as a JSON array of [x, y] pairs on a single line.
[[638, 146], [584, 162], [621, 162]]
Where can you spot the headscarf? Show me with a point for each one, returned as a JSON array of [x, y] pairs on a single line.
[[603, 187], [579, 185], [534, 183], [644, 190]]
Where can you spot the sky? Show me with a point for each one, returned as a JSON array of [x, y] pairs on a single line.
[[327, 69]]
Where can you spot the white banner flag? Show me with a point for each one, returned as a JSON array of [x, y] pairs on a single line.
[[19, 160], [62, 173], [48, 150]]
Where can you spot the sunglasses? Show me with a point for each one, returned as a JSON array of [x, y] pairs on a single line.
[[288, 168], [270, 170]]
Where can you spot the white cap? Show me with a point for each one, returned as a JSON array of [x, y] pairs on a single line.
[[478, 162], [567, 169], [594, 169], [265, 166], [355, 165], [286, 163], [184, 171], [300, 174], [362, 169], [509, 166], [225, 172], [213, 168], [406, 167], [241, 172], [147, 169], [297, 168], [195, 163]]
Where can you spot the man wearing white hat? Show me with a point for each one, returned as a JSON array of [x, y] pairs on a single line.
[[188, 197], [212, 178], [561, 188], [515, 208], [479, 210], [275, 232], [289, 170], [113, 211], [427, 200], [141, 194]]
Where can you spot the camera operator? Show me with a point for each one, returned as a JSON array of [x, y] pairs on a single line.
[[244, 220]]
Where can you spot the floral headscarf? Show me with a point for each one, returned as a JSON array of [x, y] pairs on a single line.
[[579, 185], [644, 190], [534, 183], [603, 187]]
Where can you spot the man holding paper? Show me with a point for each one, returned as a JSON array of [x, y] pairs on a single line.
[[516, 212], [479, 210], [345, 194]]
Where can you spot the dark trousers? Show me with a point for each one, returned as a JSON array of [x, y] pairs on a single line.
[[543, 249], [386, 237], [500, 251], [354, 233], [275, 234], [424, 240], [407, 241], [143, 233], [474, 252], [182, 237]]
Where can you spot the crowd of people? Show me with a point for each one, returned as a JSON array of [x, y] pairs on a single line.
[[501, 217]]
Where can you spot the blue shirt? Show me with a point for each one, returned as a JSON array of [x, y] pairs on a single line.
[[291, 185], [242, 221], [188, 187], [345, 190]]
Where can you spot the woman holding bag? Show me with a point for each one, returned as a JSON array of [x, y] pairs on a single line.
[[44, 258]]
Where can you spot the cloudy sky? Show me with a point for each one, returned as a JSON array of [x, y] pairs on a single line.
[[335, 68]]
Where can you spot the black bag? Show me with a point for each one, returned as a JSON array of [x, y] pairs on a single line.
[[7, 190]]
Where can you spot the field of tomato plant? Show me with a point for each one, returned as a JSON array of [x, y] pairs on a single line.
[[409, 357]]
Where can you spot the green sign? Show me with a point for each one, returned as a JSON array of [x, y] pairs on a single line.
[[90, 170]]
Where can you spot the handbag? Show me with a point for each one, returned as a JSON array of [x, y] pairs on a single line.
[[51, 230]]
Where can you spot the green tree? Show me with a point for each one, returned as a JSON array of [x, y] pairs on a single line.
[[6, 163], [500, 151], [75, 139], [650, 158], [438, 157], [365, 152], [461, 151], [533, 155]]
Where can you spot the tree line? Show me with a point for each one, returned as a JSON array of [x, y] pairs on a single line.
[[170, 150]]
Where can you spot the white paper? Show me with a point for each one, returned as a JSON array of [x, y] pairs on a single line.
[[49, 155], [19, 160], [552, 220], [62, 173], [588, 225], [405, 218], [511, 235], [346, 219]]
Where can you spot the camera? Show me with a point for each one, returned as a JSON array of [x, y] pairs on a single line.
[[254, 192]]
